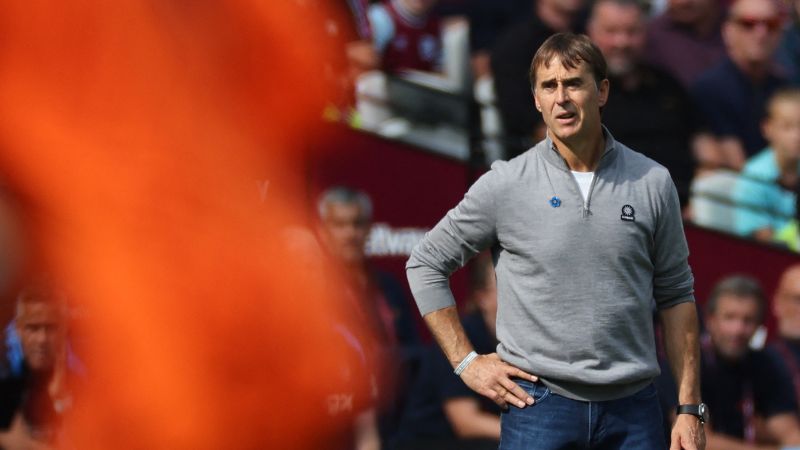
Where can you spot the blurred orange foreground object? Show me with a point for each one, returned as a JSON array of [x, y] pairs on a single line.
[[157, 145]]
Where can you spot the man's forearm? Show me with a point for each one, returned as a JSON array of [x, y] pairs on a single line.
[[487, 375], [681, 340], [445, 325]]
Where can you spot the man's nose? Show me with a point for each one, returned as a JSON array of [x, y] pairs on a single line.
[[561, 94]]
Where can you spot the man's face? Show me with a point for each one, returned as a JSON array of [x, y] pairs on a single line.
[[619, 32], [787, 305], [569, 100], [752, 32], [345, 231], [42, 330], [733, 324], [690, 12], [782, 128]]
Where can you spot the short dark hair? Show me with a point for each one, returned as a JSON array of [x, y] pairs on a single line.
[[738, 286], [570, 49]]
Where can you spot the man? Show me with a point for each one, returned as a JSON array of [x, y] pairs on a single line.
[[732, 96], [345, 219], [749, 393], [443, 413], [510, 57], [377, 300], [686, 40], [647, 108], [586, 235], [36, 384]]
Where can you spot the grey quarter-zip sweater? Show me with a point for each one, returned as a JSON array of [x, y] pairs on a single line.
[[577, 281]]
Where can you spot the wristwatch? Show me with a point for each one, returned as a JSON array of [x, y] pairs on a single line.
[[700, 411]]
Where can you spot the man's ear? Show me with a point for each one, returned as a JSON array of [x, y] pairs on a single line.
[[536, 101], [603, 88]]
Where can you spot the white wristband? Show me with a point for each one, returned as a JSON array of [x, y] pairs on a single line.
[[465, 362]]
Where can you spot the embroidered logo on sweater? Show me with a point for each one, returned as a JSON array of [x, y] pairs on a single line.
[[628, 214]]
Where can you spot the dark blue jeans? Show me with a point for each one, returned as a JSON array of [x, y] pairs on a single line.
[[555, 422]]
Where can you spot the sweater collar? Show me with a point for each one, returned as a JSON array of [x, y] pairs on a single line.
[[552, 156]]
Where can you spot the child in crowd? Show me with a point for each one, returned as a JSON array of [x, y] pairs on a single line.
[[764, 194]]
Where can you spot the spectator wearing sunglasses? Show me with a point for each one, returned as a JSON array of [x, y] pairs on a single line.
[[732, 96]]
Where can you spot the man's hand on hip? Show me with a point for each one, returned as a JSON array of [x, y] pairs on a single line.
[[489, 376], [688, 434]]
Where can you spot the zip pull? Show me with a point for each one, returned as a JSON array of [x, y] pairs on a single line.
[[586, 212]]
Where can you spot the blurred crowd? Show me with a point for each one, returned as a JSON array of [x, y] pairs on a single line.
[[707, 88], [398, 391]]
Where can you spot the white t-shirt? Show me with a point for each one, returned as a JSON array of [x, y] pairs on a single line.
[[584, 180]]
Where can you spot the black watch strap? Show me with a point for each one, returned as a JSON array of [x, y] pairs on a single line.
[[700, 411]]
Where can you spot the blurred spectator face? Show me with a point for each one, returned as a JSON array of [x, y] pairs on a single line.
[[787, 304], [619, 32], [782, 127], [419, 7], [345, 228], [752, 31], [690, 12], [569, 99], [732, 324], [42, 330]]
